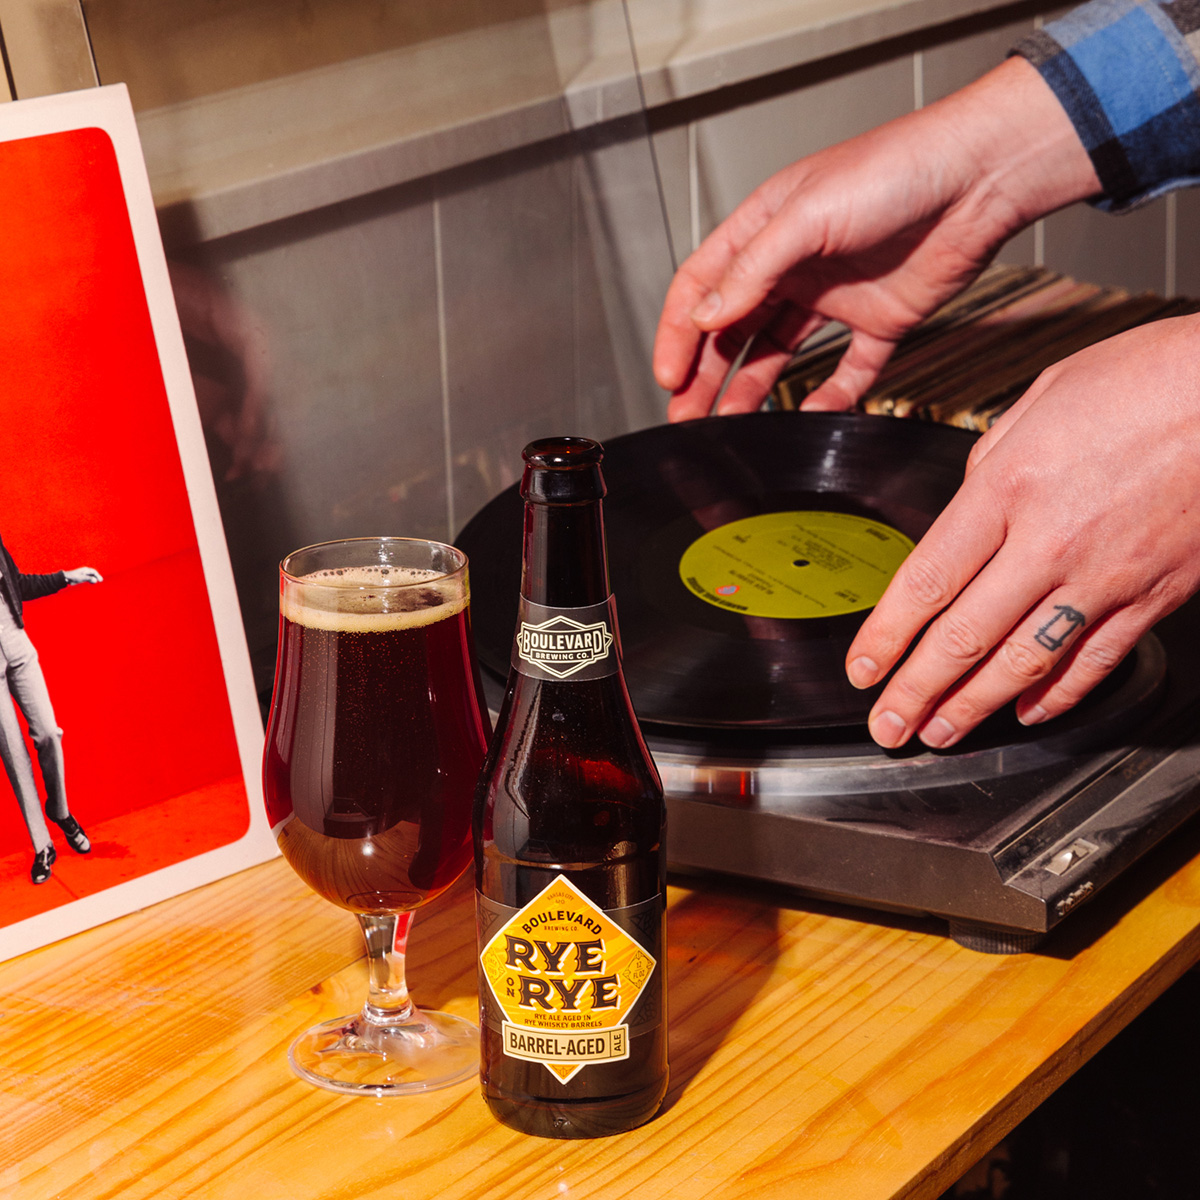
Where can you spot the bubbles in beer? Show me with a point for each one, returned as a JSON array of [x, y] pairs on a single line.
[[373, 599], [377, 734]]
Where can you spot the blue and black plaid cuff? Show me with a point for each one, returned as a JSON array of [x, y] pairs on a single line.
[[1128, 75]]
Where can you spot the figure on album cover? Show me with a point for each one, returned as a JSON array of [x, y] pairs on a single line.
[[25, 686]]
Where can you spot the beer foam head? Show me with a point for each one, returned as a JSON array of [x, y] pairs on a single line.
[[373, 599]]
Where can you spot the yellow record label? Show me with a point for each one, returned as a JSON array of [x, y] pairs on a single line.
[[794, 564], [565, 977]]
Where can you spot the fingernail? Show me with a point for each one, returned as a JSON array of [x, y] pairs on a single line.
[[1033, 716], [888, 729], [863, 672], [937, 733], [708, 307]]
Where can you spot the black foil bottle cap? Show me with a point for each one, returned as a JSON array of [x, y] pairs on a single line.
[[563, 470]]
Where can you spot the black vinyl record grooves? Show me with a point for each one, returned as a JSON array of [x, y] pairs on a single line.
[[692, 662]]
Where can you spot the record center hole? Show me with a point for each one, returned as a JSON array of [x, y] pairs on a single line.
[[801, 562]]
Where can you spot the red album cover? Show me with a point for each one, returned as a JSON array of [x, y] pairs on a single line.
[[132, 712]]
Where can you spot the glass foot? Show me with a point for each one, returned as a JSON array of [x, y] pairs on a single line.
[[360, 1058]]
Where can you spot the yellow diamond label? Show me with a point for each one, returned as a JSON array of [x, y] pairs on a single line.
[[565, 976]]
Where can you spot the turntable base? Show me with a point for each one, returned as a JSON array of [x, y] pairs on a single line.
[[1003, 837]]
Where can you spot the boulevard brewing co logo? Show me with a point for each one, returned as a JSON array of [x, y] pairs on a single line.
[[561, 646], [565, 977]]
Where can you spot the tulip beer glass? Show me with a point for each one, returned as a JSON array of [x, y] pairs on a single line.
[[374, 743]]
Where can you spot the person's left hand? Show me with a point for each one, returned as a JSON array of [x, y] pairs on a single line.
[[1076, 528], [83, 575]]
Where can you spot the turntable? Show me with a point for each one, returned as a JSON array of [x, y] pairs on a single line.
[[761, 743]]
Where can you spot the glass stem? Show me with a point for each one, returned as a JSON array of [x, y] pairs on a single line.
[[386, 935]]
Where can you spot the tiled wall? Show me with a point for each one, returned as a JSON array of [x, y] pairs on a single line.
[[412, 341], [408, 344]]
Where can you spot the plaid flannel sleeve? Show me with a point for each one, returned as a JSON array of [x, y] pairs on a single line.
[[1128, 75]]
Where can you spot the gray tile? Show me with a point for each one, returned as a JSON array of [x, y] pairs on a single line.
[[1187, 242], [738, 149], [951, 63], [350, 303], [1126, 251], [507, 235], [624, 244], [554, 265], [1020, 250], [338, 310], [672, 154]]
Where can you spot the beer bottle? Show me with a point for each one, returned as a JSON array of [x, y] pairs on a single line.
[[569, 838]]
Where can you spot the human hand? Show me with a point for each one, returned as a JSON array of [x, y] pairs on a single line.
[[1075, 530], [83, 575], [877, 233]]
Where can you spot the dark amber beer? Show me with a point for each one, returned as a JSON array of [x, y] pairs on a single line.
[[374, 744], [368, 791], [569, 828]]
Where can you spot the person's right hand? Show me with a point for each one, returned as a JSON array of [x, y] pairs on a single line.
[[1074, 532], [876, 232]]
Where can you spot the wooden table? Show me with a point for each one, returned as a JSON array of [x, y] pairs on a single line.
[[813, 1054]]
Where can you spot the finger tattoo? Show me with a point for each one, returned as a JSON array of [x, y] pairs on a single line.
[[1055, 632]]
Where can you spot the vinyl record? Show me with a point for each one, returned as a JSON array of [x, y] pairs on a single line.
[[744, 554]]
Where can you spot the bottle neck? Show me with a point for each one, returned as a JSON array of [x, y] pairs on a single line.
[[565, 564]]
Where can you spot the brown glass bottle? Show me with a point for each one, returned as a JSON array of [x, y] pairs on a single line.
[[569, 835]]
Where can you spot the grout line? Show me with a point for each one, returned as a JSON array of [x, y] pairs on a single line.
[[918, 80], [8, 91], [694, 183], [443, 364], [658, 179], [1170, 274], [582, 418]]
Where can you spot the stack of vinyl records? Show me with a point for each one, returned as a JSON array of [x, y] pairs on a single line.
[[978, 354]]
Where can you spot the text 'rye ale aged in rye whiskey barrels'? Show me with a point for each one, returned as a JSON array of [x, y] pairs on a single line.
[[569, 836]]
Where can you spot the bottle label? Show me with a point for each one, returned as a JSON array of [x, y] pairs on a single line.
[[569, 983], [566, 643]]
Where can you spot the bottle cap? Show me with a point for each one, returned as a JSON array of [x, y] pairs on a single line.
[[563, 470]]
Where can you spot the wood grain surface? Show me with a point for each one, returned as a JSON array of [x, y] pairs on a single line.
[[814, 1053]]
